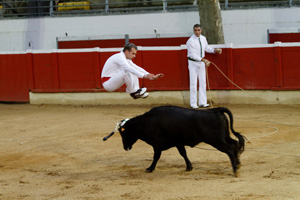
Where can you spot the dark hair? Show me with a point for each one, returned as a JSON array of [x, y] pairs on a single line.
[[129, 46], [197, 26]]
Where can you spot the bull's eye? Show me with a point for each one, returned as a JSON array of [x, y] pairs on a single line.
[[122, 129]]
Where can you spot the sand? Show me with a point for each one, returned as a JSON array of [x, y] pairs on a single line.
[[57, 152]]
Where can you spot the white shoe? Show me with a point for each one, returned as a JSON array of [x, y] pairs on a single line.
[[140, 93], [195, 107], [204, 105], [145, 95]]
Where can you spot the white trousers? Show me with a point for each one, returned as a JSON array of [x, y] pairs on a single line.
[[197, 71], [121, 77]]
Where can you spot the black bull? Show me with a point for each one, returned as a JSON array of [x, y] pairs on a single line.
[[169, 126]]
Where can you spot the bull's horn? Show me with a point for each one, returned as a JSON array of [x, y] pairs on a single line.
[[124, 122], [105, 138], [116, 128], [118, 125]]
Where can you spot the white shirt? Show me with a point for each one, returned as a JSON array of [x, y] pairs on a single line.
[[118, 62], [193, 47]]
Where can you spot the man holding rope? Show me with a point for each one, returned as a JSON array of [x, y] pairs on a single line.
[[119, 70], [196, 47]]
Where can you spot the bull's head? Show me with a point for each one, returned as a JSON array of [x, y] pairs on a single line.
[[128, 139], [127, 135]]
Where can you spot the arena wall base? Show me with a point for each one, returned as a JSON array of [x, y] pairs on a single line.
[[168, 98]]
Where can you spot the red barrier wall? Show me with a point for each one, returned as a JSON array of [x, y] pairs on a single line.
[[111, 43], [14, 81], [290, 67], [284, 37], [271, 67], [78, 44], [173, 64]]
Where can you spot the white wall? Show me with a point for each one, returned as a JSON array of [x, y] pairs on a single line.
[[240, 27], [250, 26]]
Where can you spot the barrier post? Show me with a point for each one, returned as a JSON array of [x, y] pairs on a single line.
[[278, 64], [55, 68], [184, 67], [97, 67], [30, 69], [138, 60], [230, 65]]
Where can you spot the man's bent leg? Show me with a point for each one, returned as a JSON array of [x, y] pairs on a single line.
[[132, 82], [133, 87], [115, 82]]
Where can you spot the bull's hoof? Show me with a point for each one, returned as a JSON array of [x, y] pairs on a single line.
[[236, 174], [189, 169], [149, 170]]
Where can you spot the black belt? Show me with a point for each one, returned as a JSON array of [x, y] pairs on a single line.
[[193, 59]]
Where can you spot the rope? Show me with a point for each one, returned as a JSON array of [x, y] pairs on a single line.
[[259, 151], [227, 79], [260, 120], [249, 139], [210, 100]]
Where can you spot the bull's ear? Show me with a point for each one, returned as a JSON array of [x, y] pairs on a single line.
[[121, 129]]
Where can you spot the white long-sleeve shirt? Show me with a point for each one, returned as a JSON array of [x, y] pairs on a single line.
[[193, 47], [118, 62]]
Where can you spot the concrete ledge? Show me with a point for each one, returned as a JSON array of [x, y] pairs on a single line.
[[107, 98], [168, 97]]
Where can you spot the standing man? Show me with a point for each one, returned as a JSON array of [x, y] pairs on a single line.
[[196, 47], [119, 69]]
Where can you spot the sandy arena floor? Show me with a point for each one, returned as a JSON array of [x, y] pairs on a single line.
[[57, 152]]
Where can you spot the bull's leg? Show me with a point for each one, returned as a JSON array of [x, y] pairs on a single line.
[[233, 162], [156, 157], [226, 148], [235, 146], [182, 152]]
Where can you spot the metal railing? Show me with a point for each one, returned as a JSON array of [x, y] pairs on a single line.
[[40, 8], [246, 4]]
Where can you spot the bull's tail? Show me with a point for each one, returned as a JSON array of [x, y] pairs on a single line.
[[238, 135]]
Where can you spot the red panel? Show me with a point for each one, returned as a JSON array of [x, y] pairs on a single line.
[[76, 70], [290, 66], [215, 78], [97, 69], [91, 44], [43, 71], [169, 63], [14, 84], [146, 42], [254, 68], [121, 42], [284, 37]]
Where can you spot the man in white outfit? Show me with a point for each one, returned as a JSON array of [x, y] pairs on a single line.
[[196, 47], [119, 69]]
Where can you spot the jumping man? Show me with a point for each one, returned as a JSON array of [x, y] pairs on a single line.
[[119, 69]]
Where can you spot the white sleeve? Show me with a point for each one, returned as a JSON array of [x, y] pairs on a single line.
[[138, 67], [208, 48], [128, 67]]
